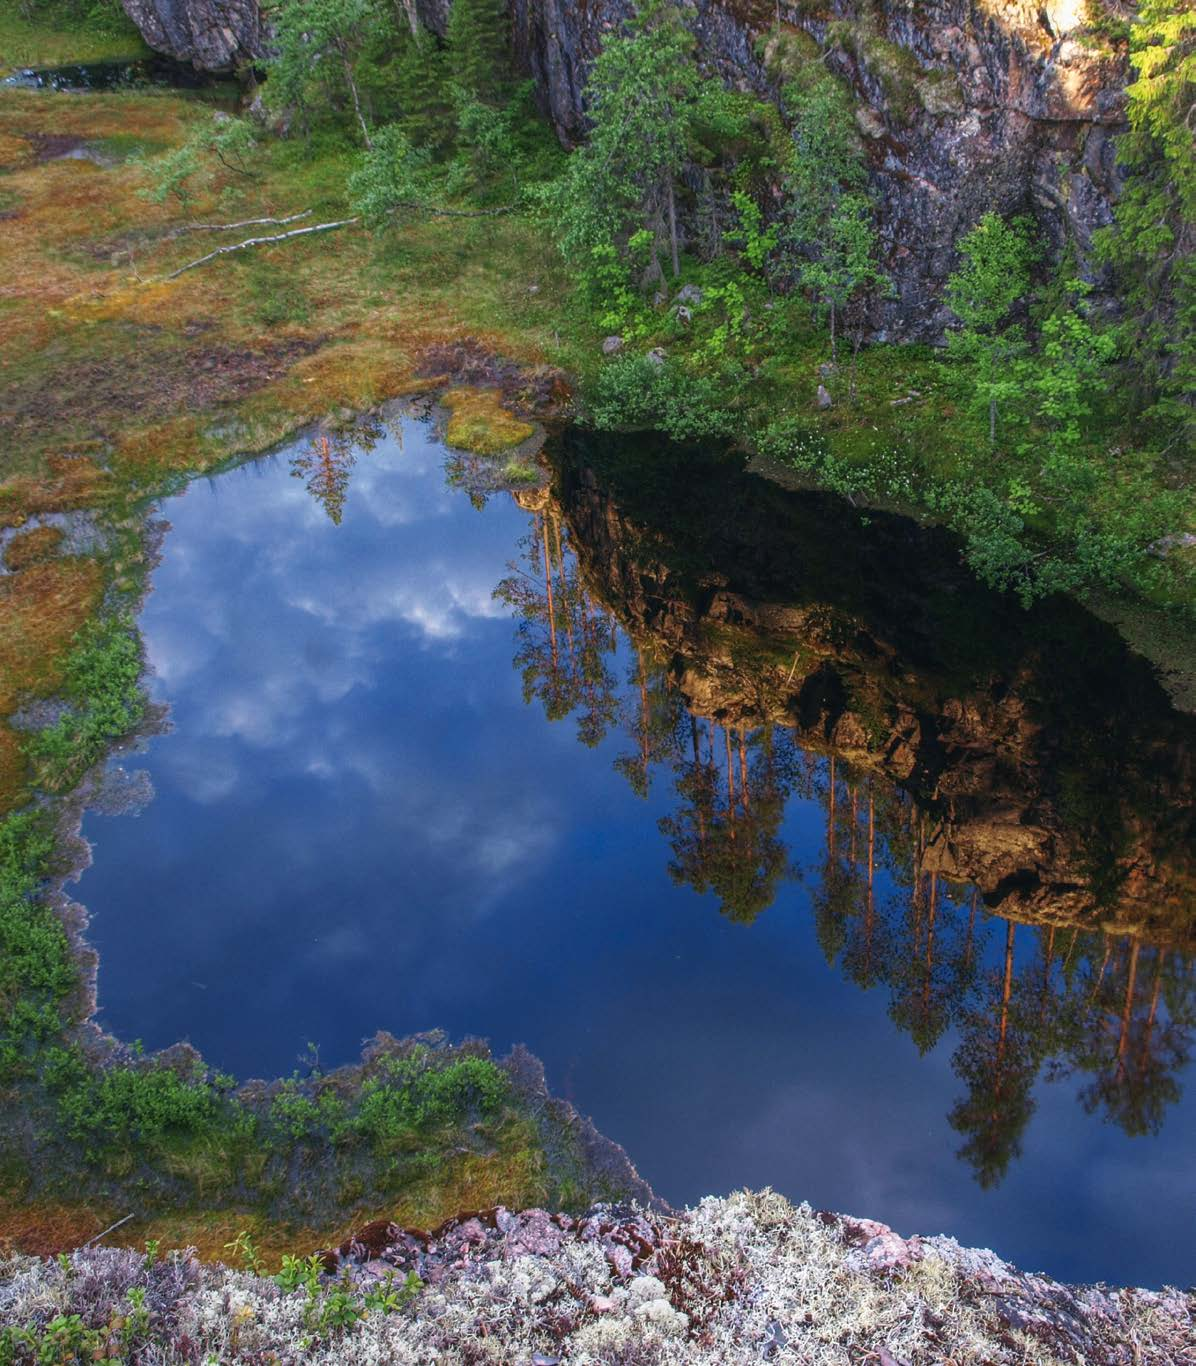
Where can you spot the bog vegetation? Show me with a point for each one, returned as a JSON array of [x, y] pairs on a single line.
[[728, 243]]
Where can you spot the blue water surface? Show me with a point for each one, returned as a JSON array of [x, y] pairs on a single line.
[[360, 824]]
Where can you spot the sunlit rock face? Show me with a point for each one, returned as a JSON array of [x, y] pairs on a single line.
[[214, 35], [1053, 771], [962, 105]]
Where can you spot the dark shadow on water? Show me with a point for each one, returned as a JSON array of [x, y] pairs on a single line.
[[810, 864]]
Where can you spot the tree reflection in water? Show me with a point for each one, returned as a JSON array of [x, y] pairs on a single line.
[[1018, 1002]]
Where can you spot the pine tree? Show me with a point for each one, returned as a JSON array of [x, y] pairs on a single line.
[[983, 294], [478, 44]]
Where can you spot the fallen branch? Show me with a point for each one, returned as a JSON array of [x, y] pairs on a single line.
[[261, 242], [452, 213], [316, 227], [231, 227], [110, 1229]]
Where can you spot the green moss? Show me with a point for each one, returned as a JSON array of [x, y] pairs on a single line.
[[55, 37], [895, 67]]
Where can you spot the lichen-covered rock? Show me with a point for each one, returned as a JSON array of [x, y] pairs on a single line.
[[741, 1279]]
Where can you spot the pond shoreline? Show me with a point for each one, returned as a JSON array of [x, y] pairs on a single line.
[[739, 1278]]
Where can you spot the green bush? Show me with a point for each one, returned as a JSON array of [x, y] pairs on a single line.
[[639, 392], [102, 689], [415, 1094]]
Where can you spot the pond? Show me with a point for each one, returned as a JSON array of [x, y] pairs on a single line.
[[130, 73], [708, 792]]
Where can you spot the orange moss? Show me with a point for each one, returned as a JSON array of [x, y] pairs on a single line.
[[41, 608], [478, 422], [70, 482], [13, 150], [352, 374], [43, 1229], [166, 446], [473, 1181], [31, 547], [468, 1182]]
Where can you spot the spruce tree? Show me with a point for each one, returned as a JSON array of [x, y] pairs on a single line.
[[478, 44], [421, 84]]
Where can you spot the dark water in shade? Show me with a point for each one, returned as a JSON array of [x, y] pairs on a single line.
[[361, 823], [118, 74]]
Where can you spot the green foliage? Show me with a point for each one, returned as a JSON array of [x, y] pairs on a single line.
[[478, 49], [418, 1092], [299, 1273], [1163, 52], [319, 49], [220, 144], [756, 242], [827, 237], [106, 17], [1152, 244], [104, 701], [36, 972], [421, 84], [984, 294], [120, 1106], [67, 1339], [392, 177], [245, 1250], [385, 1298], [688, 404], [643, 97]]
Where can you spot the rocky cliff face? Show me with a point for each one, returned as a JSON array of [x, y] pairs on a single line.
[[962, 105], [1055, 775], [215, 35]]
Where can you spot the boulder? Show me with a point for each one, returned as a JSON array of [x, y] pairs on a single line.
[[612, 346]]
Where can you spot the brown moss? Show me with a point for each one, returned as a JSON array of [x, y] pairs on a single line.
[[479, 423], [32, 547], [46, 1228], [13, 150], [69, 483], [41, 608]]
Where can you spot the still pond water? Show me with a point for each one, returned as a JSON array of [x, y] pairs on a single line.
[[419, 776]]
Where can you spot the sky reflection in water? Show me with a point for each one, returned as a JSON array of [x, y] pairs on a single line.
[[359, 824]]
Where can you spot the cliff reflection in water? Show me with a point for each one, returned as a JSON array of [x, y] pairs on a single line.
[[1020, 780]]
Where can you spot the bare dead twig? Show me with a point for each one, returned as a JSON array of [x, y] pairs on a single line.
[[110, 1229]]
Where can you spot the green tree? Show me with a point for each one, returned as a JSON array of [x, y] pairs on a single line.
[[828, 238], [1062, 381], [392, 175], [478, 46], [421, 84], [1152, 244], [984, 294], [317, 46], [642, 97]]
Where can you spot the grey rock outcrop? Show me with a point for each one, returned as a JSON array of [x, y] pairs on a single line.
[[214, 35]]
